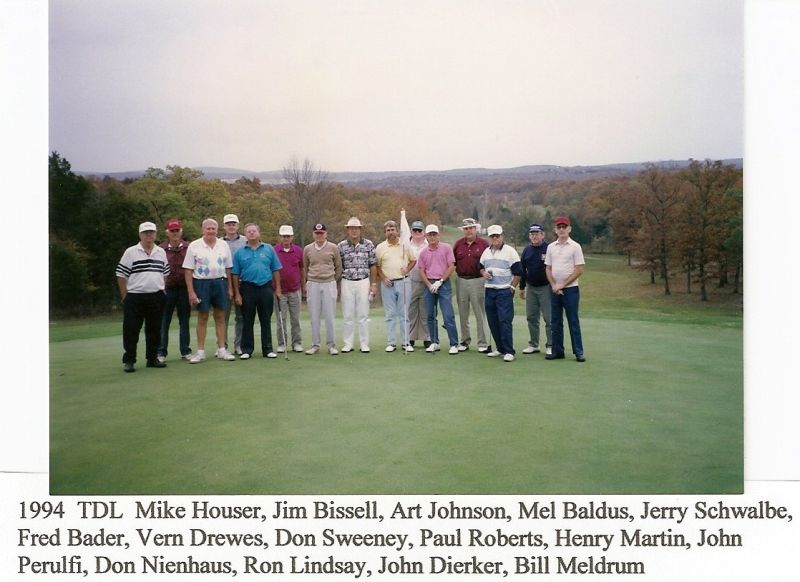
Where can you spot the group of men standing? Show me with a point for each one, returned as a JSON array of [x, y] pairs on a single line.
[[242, 274]]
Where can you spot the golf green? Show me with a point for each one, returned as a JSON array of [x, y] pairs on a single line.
[[657, 408]]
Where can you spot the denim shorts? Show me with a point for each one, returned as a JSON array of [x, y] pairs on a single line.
[[212, 293]]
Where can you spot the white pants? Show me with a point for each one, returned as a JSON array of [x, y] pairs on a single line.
[[321, 304], [355, 308]]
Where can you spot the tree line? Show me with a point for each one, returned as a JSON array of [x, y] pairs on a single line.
[[667, 221]]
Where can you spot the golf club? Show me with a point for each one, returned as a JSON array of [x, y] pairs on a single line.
[[283, 331]]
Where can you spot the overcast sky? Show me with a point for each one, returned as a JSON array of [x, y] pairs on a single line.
[[394, 85]]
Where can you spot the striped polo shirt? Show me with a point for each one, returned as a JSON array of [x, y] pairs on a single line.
[[503, 264], [145, 273]]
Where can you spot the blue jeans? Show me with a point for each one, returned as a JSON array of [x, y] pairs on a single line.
[[175, 298], [444, 300], [500, 315], [568, 302], [392, 298]]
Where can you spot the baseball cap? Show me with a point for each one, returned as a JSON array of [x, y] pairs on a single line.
[[562, 220], [286, 230], [494, 229], [230, 218], [431, 228], [145, 226], [173, 224], [535, 228], [320, 226], [417, 225]]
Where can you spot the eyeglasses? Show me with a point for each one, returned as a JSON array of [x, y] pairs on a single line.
[[416, 229]]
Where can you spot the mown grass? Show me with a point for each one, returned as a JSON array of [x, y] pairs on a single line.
[[657, 408]]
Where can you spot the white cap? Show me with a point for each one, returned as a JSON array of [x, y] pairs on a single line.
[[230, 218], [285, 229], [494, 229], [145, 226], [431, 228]]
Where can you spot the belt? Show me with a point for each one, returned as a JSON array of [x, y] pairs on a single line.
[[256, 284], [398, 279], [469, 276], [361, 279]]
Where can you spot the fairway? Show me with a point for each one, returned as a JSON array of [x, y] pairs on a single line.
[[657, 408]]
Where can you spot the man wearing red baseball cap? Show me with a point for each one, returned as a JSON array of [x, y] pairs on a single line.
[[564, 265], [176, 294]]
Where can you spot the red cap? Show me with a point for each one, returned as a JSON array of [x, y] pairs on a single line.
[[174, 223], [562, 220]]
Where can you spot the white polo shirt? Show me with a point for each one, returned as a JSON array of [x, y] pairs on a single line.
[[208, 262], [562, 259], [144, 273]]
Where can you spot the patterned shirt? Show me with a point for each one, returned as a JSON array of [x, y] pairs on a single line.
[[357, 259], [208, 262]]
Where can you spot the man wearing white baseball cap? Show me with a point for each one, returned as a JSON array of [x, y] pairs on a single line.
[[436, 264], [501, 269], [235, 242], [140, 276], [292, 283]]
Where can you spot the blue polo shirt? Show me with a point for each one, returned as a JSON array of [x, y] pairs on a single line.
[[255, 265]]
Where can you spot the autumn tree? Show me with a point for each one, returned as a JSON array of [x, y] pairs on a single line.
[[309, 195], [705, 219]]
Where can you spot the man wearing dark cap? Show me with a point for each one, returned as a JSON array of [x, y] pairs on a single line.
[[470, 292], [564, 265], [534, 288], [417, 311], [323, 266], [140, 276], [176, 297]]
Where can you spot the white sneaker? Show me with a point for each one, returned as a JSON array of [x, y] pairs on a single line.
[[297, 348], [508, 358], [198, 357], [238, 351], [281, 349], [548, 351], [272, 355], [187, 356], [531, 350], [453, 350], [390, 348], [333, 351], [408, 348], [161, 359], [312, 350], [244, 357], [364, 349], [347, 348], [463, 347], [432, 348], [494, 354], [225, 355]]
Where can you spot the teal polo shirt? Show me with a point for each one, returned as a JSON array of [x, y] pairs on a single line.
[[255, 265]]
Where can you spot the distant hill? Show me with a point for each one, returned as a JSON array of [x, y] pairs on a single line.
[[433, 178]]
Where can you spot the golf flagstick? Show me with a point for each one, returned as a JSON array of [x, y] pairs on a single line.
[[405, 239]]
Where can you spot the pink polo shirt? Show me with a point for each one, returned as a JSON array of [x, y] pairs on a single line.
[[435, 262]]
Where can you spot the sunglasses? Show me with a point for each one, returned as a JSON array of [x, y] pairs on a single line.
[[562, 226]]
